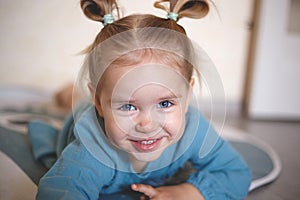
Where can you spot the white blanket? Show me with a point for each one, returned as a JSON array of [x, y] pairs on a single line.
[[14, 183]]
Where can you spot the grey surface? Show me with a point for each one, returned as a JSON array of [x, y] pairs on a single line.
[[257, 159], [17, 147], [284, 137]]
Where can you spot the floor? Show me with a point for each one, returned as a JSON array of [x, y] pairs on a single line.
[[284, 137]]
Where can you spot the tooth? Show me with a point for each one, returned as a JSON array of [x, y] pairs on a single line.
[[148, 141]]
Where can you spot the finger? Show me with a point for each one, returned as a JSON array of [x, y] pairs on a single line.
[[148, 190], [143, 197]]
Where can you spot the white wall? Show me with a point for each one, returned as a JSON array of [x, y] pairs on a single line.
[[39, 40], [275, 91]]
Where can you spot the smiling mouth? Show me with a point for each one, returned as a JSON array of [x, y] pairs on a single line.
[[146, 145], [147, 142]]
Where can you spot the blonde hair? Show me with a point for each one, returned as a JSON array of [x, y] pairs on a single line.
[[137, 37]]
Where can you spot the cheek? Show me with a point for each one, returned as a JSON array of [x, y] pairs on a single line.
[[174, 124], [113, 132]]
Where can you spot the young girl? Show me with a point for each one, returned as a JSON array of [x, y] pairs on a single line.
[[142, 127]]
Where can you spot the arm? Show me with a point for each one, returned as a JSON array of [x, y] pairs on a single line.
[[76, 175], [181, 191], [222, 173]]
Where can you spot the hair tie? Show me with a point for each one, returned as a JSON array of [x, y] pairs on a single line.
[[173, 16], [108, 19]]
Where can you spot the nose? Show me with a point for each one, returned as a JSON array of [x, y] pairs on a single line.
[[146, 123]]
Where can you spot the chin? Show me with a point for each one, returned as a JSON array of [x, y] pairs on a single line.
[[147, 156]]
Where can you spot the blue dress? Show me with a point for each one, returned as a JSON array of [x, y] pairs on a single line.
[[90, 167]]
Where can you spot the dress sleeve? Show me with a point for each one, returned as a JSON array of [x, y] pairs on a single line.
[[221, 173], [75, 175]]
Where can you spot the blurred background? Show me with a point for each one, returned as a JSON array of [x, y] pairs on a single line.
[[40, 41], [254, 45]]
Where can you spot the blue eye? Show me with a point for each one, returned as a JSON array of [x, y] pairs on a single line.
[[165, 104], [128, 107]]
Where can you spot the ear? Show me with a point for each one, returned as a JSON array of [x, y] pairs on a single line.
[[190, 93], [192, 82], [96, 99]]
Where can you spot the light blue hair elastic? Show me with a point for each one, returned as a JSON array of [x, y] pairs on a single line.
[[173, 16], [108, 19]]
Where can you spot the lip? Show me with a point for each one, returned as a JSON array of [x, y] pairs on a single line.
[[145, 145]]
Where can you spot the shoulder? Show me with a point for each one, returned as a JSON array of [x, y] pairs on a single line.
[[197, 126], [201, 131], [196, 120]]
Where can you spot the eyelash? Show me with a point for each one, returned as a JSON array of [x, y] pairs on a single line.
[[125, 107], [169, 104]]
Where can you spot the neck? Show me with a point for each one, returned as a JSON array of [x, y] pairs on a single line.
[[137, 165]]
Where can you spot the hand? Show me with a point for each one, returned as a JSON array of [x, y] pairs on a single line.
[[181, 191]]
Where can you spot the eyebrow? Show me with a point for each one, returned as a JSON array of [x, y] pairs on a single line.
[[166, 97], [121, 101], [170, 96]]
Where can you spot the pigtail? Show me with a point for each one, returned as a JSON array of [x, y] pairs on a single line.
[[104, 11], [195, 9], [97, 9], [192, 9]]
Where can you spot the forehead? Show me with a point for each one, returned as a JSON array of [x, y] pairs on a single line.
[[147, 93], [129, 79], [144, 56]]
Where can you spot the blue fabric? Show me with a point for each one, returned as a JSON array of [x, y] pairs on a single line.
[[43, 139], [88, 166]]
